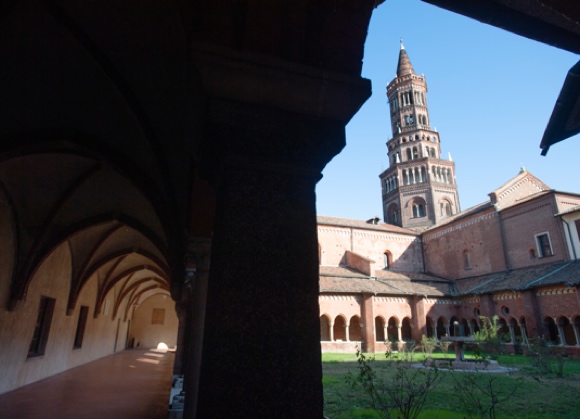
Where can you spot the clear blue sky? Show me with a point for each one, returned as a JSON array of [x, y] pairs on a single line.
[[491, 94]]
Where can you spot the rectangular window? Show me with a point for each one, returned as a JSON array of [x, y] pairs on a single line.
[[544, 245], [82, 323], [42, 327], [158, 316], [577, 223]]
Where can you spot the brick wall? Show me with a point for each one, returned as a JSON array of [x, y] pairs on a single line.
[[522, 223], [478, 234]]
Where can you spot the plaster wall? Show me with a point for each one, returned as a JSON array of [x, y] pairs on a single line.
[[17, 327], [149, 335]]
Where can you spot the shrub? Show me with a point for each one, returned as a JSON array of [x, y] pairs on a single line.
[[547, 358], [403, 393], [480, 394], [488, 338], [428, 345]]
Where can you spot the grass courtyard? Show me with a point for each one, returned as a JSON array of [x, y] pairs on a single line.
[[538, 395]]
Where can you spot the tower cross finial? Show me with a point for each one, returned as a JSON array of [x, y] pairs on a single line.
[[401, 41]]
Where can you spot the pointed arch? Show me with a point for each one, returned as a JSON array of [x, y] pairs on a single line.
[[380, 329], [339, 328], [354, 329]]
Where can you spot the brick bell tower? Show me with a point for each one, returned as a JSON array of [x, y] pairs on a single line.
[[419, 188]]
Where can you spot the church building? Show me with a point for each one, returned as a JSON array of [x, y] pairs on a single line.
[[430, 265]]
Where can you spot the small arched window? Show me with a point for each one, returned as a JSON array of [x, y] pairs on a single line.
[[445, 208], [418, 210], [466, 260], [388, 259], [393, 214]]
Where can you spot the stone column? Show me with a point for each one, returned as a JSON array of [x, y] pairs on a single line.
[[332, 331], [512, 334], [400, 333], [447, 333], [561, 334], [198, 253], [346, 330], [181, 309], [524, 333]]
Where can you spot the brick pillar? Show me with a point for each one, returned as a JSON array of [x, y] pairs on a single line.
[[530, 309], [261, 345], [487, 305], [270, 129], [368, 319], [419, 318], [262, 329]]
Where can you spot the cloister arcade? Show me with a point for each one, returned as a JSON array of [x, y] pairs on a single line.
[[560, 330]]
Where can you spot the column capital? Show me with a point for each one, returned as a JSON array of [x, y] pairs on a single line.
[[278, 84], [273, 112]]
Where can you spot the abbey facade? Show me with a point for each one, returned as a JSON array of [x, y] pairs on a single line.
[[431, 269]]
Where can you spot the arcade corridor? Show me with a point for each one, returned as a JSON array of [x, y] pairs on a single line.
[[128, 384]]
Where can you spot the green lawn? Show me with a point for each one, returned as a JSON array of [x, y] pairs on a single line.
[[538, 396]]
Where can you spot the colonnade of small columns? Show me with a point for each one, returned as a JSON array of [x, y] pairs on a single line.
[[346, 326], [419, 174], [414, 175], [557, 327], [391, 183], [442, 174]]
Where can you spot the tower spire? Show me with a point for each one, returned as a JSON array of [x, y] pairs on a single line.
[[404, 66]]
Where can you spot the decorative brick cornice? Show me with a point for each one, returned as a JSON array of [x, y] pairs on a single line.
[[339, 297], [368, 234], [506, 296], [556, 291], [393, 300], [439, 301]]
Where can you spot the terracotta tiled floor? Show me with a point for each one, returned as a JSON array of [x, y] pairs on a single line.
[[129, 384]]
